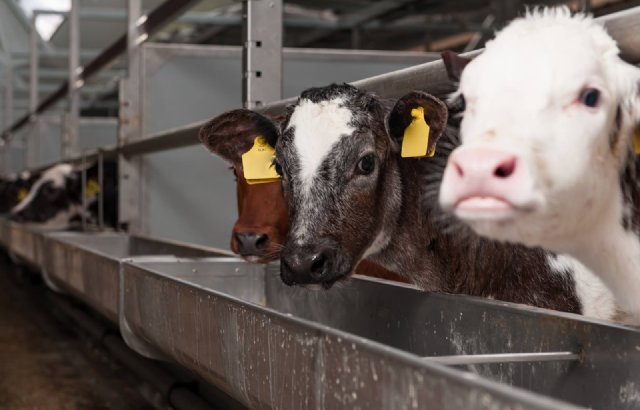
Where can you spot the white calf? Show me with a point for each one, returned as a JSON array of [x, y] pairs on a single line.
[[547, 156]]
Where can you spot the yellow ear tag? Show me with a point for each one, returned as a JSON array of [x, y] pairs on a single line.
[[22, 194], [258, 163], [92, 188], [636, 140], [416, 136]]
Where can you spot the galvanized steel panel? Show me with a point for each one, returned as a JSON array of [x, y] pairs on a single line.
[[270, 345]]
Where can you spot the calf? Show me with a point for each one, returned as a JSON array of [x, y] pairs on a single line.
[[351, 196], [14, 190], [262, 222], [548, 147], [55, 199]]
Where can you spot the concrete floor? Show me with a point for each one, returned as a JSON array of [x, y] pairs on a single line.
[[44, 365]]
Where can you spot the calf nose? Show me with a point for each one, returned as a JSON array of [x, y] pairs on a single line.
[[251, 243], [482, 164], [306, 267], [480, 172]]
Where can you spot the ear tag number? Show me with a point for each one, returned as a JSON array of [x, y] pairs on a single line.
[[22, 194], [258, 163], [416, 137], [636, 140], [92, 188]]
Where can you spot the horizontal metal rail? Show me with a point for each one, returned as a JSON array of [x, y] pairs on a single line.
[[295, 22], [460, 360]]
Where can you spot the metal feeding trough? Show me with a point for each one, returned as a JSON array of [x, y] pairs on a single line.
[[87, 265], [368, 344], [26, 244]]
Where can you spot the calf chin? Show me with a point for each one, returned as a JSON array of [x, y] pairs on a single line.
[[322, 262]]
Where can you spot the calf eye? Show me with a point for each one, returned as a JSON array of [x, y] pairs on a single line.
[[366, 165], [590, 97]]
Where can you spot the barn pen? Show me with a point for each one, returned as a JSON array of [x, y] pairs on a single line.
[[201, 327]]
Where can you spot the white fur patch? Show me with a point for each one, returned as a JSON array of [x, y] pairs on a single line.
[[379, 243], [56, 175], [596, 299], [318, 127]]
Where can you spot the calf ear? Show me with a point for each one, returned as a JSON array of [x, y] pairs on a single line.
[[454, 64], [435, 115], [231, 134]]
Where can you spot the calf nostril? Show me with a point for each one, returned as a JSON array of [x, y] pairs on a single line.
[[317, 265], [261, 241], [506, 168], [458, 169]]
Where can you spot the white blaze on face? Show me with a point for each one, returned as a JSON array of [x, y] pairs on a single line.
[[318, 127], [56, 175]]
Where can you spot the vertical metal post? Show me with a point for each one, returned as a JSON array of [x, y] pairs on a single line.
[[261, 52], [33, 66], [70, 139], [8, 118], [101, 192], [83, 191], [131, 179], [585, 6], [356, 38], [33, 139]]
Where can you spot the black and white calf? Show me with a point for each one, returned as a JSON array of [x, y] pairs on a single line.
[[548, 146], [351, 196], [14, 190], [55, 200]]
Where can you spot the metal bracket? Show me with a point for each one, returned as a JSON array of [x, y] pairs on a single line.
[[261, 52]]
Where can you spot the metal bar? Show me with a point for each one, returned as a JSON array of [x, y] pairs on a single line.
[[98, 120], [70, 139], [460, 360], [130, 178], [8, 115], [101, 192], [83, 174], [33, 150], [33, 66], [261, 52], [294, 22]]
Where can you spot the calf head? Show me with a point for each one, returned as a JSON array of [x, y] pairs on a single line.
[[13, 191], [262, 212], [549, 115], [49, 200], [55, 199], [341, 179]]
